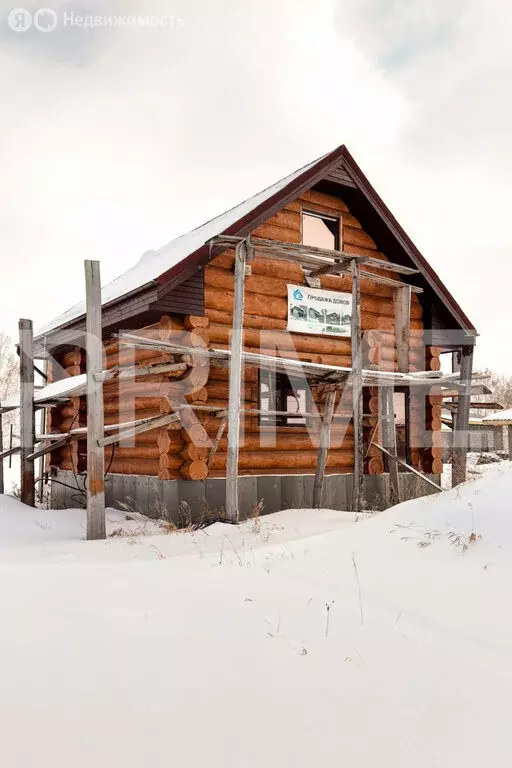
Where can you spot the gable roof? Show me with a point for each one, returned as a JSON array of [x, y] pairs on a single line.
[[175, 262]]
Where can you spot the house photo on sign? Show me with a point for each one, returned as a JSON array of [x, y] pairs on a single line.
[[312, 310]]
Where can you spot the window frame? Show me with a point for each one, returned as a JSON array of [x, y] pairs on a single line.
[[284, 384], [338, 235], [405, 428]]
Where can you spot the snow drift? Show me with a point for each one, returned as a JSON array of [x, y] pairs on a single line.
[[303, 638]]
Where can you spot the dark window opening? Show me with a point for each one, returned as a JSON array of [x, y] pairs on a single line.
[[279, 392], [402, 425], [321, 231]]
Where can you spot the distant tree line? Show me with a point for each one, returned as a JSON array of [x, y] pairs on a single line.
[[501, 387], [9, 377]]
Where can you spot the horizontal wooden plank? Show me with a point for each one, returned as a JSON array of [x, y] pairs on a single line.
[[148, 425], [390, 266], [185, 290], [359, 237], [184, 299], [294, 205], [340, 176], [10, 452], [320, 198], [350, 221], [286, 219], [270, 232]]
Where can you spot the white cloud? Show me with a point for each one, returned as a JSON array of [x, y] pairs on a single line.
[[117, 140]]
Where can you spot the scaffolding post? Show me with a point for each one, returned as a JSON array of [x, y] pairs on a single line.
[[402, 300], [407, 409], [461, 434], [389, 441], [10, 443], [357, 388], [402, 326], [42, 425], [27, 412], [96, 528], [235, 385], [323, 449]]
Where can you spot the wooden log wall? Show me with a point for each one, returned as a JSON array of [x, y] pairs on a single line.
[[168, 453], [176, 452], [265, 320], [426, 439], [280, 450]]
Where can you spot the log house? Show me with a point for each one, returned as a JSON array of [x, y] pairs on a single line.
[[184, 294]]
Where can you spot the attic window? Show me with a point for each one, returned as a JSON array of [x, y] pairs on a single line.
[[321, 231]]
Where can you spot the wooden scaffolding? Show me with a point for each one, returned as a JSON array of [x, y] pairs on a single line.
[[315, 262]]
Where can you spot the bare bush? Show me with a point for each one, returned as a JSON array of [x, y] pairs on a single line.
[[9, 375]]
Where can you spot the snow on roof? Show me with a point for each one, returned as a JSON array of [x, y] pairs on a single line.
[[152, 264], [71, 386], [67, 387], [499, 417]]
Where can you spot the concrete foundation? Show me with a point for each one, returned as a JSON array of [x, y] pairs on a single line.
[[162, 498]]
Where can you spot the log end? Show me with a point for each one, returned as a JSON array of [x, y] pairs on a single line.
[[194, 470]]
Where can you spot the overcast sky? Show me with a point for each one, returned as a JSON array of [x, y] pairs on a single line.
[[115, 140]]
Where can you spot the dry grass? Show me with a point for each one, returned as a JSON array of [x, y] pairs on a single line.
[[127, 533], [460, 541], [180, 521], [463, 542], [255, 517]]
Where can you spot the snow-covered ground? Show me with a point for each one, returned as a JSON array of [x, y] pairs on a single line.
[[301, 639], [12, 474], [474, 468]]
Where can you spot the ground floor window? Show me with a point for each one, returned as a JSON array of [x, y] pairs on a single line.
[[282, 393], [403, 425]]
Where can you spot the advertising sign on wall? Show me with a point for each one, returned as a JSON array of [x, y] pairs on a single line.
[[313, 310]]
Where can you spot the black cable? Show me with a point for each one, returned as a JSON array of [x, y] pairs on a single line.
[[111, 459], [59, 482], [81, 490]]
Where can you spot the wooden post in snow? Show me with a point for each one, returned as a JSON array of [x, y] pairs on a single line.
[[402, 300], [42, 424], [456, 360], [407, 410], [402, 326], [357, 388], [323, 449], [461, 434], [389, 440], [509, 436], [27, 413], [235, 384], [11, 428], [95, 421]]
